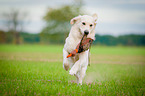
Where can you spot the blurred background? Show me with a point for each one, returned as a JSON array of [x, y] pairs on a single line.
[[32, 35], [120, 22]]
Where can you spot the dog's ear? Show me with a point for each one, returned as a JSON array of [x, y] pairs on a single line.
[[75, 19], [95, 16]]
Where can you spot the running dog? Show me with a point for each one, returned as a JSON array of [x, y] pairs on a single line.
[[78, 62]]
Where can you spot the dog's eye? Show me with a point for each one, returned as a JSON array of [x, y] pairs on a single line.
[[84, 23], [91, 25]]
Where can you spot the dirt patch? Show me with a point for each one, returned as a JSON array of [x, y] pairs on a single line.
[[95, 59]]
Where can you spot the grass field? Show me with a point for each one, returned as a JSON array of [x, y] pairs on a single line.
[[37, 70]]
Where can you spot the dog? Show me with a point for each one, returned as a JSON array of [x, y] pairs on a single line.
[[81, 25]]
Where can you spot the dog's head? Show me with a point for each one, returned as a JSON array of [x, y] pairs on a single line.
[[85, 23]]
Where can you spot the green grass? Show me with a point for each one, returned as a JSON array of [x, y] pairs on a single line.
[[37, 70], [33, 48]]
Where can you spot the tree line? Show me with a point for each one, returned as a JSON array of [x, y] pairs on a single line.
[[59, 38], [56, 28]]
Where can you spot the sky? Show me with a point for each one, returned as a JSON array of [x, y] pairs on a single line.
[[115, 17]]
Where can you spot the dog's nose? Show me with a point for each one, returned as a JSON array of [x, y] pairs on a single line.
[[86, 32]]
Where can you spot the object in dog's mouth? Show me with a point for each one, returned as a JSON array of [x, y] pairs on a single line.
[[84, 45]]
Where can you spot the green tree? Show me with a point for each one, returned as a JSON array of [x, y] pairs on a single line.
[[2, 37], [14, 20], [58, 23]]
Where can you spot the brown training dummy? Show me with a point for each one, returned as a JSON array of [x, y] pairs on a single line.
[[84, 45]]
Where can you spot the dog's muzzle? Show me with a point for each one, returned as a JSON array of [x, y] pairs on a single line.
[[86, 32]]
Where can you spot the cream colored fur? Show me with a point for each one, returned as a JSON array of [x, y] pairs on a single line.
[[79, 62]]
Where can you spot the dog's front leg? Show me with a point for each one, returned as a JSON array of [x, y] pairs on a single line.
[[82, 74], [77, 75], [83, 61], [80, 67], [75, 68], [67, 62]]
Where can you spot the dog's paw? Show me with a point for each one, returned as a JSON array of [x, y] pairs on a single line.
[[72, 72], [66, 66]]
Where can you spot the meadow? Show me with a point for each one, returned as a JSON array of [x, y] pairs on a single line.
[[37, 70]]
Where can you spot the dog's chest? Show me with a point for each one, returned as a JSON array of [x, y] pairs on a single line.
[[71, 44]]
